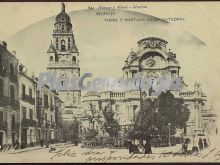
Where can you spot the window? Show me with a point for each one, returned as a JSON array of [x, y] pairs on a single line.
[[68, 39], [173, 74], [45, 116], [30, 93], [31, 135], [68, 46], [1, 117], [62, 27], [56, 39], [11, 71], [56, 45], [117, 107], [74, 59], [1, 88], [13, 121], [51, 58], [31, 114], [23, 91], [63, 48], [51, 119], [12, 94], [24, 112], [134, 72], [45, 100], [51, 102]]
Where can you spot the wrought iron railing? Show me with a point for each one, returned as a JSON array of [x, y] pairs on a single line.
[[47, 124], [27, 98], [29, 123], [3, 125]]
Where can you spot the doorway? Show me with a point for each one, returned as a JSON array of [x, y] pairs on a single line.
[[24, 138], [1, 139]]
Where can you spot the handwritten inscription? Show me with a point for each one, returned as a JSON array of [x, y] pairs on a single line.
[[108, 155]]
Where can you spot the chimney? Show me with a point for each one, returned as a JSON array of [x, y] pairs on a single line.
[[14, 52], [4, 44]]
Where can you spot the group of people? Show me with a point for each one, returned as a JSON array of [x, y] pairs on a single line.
[[202, 143], [141, 149]]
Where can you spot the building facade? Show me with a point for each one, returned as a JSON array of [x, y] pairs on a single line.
[[28, 118], [9, 107], [209, 121], [49, 116], [153, 61]]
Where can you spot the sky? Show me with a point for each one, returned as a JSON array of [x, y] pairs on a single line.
[[103, 47]]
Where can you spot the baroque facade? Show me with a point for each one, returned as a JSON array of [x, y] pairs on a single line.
[[151, 60]]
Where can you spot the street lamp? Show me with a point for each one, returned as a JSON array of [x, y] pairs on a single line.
[[169, 134]]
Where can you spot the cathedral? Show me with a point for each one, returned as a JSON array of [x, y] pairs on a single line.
[[151, 59]]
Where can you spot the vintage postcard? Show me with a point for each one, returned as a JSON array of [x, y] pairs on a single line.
[[99, 82]]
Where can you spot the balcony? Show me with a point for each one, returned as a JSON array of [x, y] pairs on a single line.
[[53, 125], [13, 78], [31, 100], [47, 124], [27, 98], [4, 101], [52, 107], [39, 101], [3, 125], [40, 122], [63, 64], [29, 123], [46, 105], [15, 126], [15, 104]]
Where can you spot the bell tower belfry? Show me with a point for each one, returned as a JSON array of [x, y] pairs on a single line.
[[63, 58]]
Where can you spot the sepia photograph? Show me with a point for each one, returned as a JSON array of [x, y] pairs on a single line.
[[109, 82]]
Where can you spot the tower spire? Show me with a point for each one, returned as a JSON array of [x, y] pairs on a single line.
[[63, 7]]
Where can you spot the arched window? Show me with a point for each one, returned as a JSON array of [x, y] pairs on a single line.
[[1, 117], [11, 71], [63, 48], [12, 94], [13, 121], [1, 88], [62, 27], [74, 59], [51, 58]]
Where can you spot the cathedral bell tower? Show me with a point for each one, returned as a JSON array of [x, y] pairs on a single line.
[[63, 58]]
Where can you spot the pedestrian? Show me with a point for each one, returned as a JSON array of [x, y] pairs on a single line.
[[205, 143], [135, 149], [200, 143], [185, 145], [147, 147], [130, 147], [41, 143], [17, 144]]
